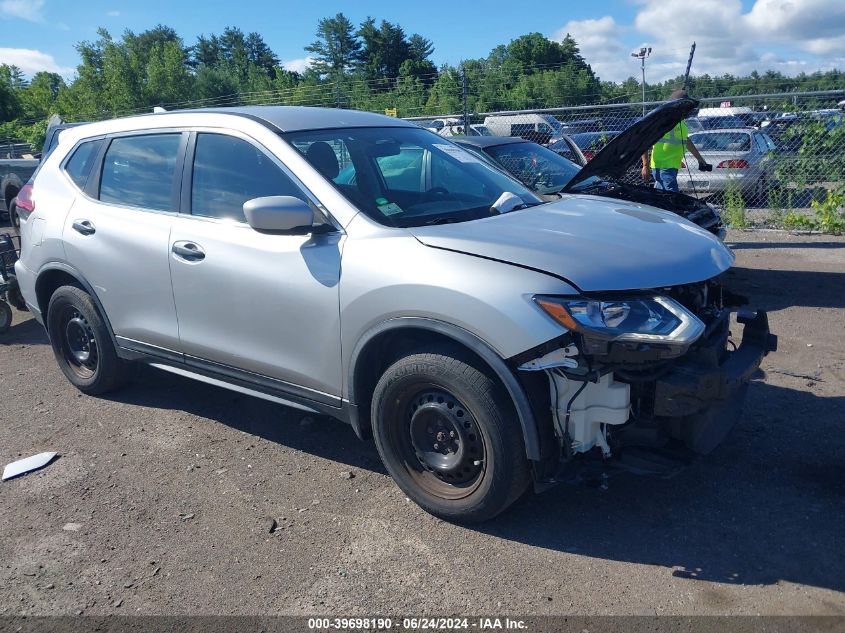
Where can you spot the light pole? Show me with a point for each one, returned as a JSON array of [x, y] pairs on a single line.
[[643, 53]]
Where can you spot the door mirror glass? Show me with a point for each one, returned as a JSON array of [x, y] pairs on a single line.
[[279, 214]]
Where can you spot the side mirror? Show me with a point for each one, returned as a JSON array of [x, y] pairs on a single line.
[[278, 214]]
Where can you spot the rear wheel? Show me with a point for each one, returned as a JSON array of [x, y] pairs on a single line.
[[757, 196], [449, 437], [14, 220], [82, 344]]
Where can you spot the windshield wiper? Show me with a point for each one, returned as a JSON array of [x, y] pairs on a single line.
[[446, 220]]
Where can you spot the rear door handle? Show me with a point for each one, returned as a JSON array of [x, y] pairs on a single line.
[[188, 251], [85, 227]]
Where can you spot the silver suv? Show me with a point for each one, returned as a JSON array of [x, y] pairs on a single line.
[[361, 267]]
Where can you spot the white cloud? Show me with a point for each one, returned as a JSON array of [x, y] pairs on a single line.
[[600, 42], [31, 10], [113, 14], [297, 65], [791, 36], [32, 61]]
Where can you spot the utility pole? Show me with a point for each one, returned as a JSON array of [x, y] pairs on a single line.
[[464, 95], [642, 55]]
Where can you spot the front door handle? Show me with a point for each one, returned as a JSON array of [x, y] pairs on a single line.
[[85, 227], [188, 251]]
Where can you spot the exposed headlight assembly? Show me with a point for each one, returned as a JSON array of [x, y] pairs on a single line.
[[641, 319]]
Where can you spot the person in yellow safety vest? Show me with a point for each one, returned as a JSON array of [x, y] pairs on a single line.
[[668, 154]]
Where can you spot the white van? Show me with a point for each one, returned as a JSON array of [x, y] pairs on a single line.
[[533, 127], [733, 111]]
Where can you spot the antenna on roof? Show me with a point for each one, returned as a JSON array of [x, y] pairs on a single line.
[[158, 110]]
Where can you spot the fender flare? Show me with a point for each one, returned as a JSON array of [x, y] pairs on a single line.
[[87, 287], [482, 349]]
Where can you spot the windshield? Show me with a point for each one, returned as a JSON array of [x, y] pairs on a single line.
[[538, 167], [404, 176], [722, 141]]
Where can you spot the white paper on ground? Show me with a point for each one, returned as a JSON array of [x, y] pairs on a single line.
[[27, 464]]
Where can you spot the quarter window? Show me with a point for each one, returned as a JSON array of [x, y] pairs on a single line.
[[79, 165], [228, 171], [138, 171]]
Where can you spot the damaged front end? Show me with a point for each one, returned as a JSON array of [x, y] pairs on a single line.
[[643, 382]]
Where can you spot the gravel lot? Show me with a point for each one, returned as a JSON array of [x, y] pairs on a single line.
[[163, 497]]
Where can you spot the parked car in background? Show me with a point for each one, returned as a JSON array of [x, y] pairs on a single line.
[[779, 129], [591, 143], [457, 129], [720, 122], [14, 173], [549, 174], [693, 125], [486, 339], [51, 138], [539, 128], [566, 147], [742, 159]]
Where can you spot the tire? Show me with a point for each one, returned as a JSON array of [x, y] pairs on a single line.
[[82, 344], [5, 316], [448, 435], [756, 197], [14, 295], [14, 220]]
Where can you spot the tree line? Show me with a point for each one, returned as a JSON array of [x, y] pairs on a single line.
[[372, 66]]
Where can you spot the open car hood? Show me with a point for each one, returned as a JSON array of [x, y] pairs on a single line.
[[618, 155]]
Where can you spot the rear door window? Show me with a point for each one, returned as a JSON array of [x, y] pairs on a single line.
[[139, 171], [78, 167]]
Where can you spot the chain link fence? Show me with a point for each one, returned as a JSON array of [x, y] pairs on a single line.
[[777, 159]]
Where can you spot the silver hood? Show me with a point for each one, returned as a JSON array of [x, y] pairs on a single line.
[[594, 243]]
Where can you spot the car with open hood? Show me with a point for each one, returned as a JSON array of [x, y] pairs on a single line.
[[360, 267], [606, 174]]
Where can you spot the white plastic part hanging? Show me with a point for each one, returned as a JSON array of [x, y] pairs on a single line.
[[561, 357]]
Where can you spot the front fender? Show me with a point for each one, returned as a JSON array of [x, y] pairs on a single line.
[[469, 340]]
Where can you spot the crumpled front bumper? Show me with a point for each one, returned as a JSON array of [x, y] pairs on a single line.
[[703, 393]]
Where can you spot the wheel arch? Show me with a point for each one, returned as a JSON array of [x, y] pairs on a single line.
[[55, 275], [386, 342]]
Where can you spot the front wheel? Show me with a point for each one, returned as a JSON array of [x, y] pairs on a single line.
[[448, 435], [82, 344]]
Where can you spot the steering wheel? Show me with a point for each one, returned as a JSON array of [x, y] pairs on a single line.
[[434, 192]]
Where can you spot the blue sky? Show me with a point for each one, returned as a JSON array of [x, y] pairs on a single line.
[[734, 36]]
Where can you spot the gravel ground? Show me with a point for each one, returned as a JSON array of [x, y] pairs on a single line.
[[164, 495]]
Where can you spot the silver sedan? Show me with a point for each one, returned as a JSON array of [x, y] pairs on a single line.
[[742, 160]]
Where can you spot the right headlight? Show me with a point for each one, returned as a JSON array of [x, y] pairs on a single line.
[[641, 319]]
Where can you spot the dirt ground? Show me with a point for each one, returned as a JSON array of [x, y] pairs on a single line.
[[162, 498]]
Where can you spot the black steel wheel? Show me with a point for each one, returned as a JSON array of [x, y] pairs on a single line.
[[446, 441], [82, 343], [79, 345], [449, 437]]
